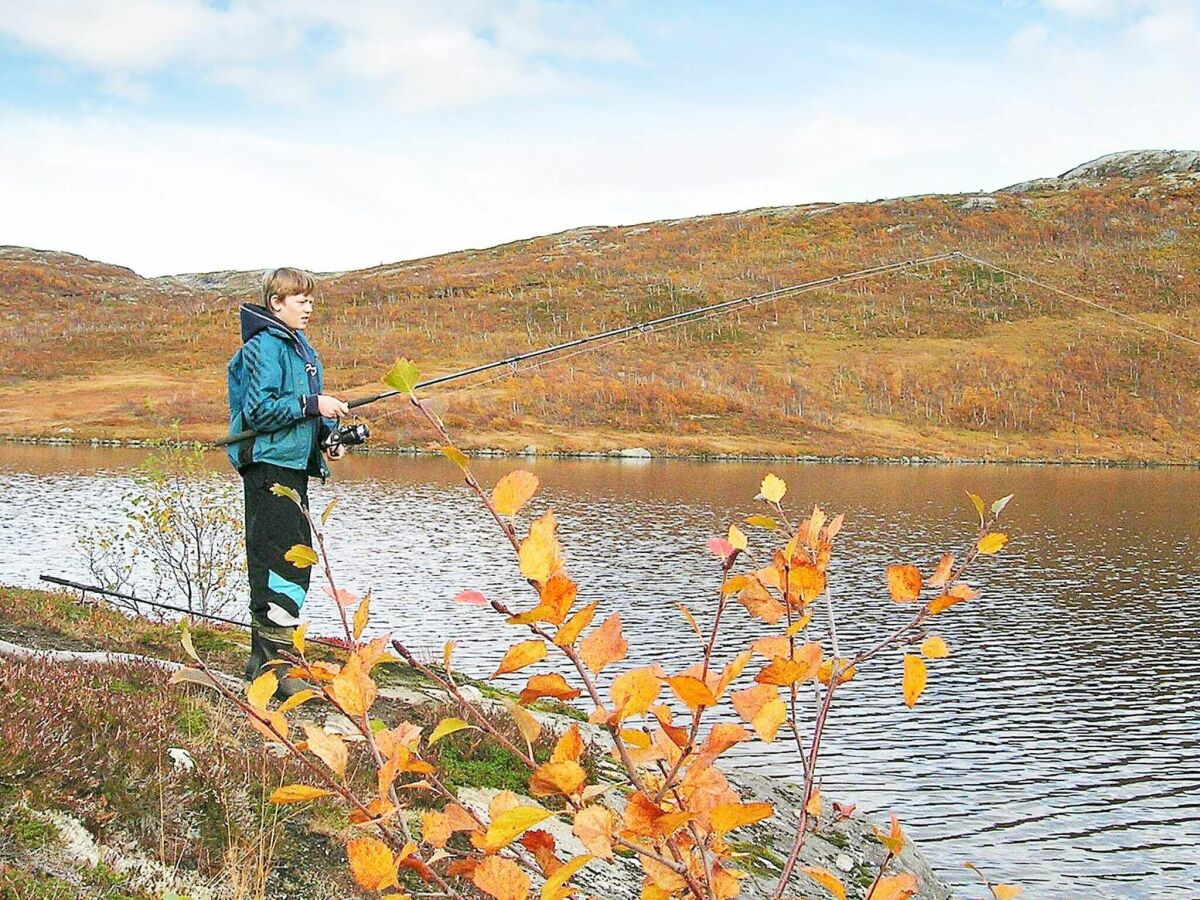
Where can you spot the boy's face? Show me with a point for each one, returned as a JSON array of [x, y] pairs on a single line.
[[293, 311]]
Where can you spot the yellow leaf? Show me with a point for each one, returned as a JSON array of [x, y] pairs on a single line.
[[520, 655], [827, 880], [403, 376], [569, 745], [513, 491], [298, 637], [728, 816], [943, 603], [456, 456], [904, 583], [448, 654], [361, 616], [943, 571], [298, 793], [540, 554], [372, 863], [633, 692], [296, 699], [444, 728], [1005, 891], [763, 522], [185, 638], [772, 488], [262, 689], [594, 828], [604, 645], [893, 839], [529, 727], [799, 625], [934, 648], [328, 511], [813, 806], [737, 538], [977, 501], [689, 618], [509, 826], [569, 633], [280, 490], [914, 678], [301, 556], [328, 747], [762, 708], [501, 878], [352, 688], [562, 777], [992, 542], [731, 671], [553, 888]]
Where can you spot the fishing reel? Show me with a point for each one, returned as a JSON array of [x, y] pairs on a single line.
[[346, 436]]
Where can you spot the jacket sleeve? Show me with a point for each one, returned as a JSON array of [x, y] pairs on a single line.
[[267, 406]]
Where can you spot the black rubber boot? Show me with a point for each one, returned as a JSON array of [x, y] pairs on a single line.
[[266, 642]]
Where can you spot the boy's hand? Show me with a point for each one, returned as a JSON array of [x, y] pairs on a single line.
[[331, 407], [336, 452]]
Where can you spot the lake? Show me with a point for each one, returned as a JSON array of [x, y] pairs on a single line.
[[1057, 747]]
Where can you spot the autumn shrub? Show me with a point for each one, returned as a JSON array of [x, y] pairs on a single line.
[[677, 811]]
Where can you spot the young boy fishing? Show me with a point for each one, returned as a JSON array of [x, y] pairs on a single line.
[[275, 382]]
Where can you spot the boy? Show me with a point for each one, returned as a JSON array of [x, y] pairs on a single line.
[[275, 382]]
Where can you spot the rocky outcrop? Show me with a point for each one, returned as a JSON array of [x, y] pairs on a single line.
[[1129, 164]]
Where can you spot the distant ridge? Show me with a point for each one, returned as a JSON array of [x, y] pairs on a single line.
[[1126, 164]]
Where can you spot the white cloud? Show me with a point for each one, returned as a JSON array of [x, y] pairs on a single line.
[[415, 55]]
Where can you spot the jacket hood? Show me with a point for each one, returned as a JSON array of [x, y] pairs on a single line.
[[255, 318]]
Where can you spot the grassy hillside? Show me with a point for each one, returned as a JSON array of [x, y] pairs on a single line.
[[953, 360]]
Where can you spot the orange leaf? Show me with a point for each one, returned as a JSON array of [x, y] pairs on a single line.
[[594, 828], [556, 598], [892, 840], [904, 583], [1005, 891], [569, 633], [552, 685], [774, 647], [760, 603], [934, 648], [805, 582], [942, 573], [513, 491], [642, 815], [762, 708], [720, 738], [943, 603], [689, 618], [692, 691], [435, 829], [554, 888], [604, 645], [352, 688], [992, 543], [914, 678], [729, 816], [634, 691], [540, 555], [806, 664], [963, 591], [501, 878], [328, 747], [731, 671], [526, 653], [529, 727], [569, 745], [895, 887], [372, 863], [827, 880], [565, 777]]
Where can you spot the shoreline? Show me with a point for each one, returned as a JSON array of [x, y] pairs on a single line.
[[642, 455]]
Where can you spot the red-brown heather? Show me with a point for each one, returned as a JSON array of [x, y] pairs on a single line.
[[954, 360]]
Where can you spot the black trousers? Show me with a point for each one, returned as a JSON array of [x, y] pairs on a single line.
[[273, 526]]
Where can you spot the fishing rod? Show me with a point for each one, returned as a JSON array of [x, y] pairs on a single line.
[[642, 327], [96, 589]]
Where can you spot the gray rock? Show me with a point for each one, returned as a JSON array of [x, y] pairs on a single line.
[[983, 202], [634, 453]]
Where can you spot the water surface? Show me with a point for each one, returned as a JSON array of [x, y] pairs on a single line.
[[1056, 747]]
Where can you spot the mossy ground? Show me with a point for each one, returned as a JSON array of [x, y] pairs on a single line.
[[92, 741]]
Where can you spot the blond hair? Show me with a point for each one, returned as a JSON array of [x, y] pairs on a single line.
[[285, 282]]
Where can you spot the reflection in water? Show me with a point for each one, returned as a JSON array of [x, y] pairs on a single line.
[[1057, 747]]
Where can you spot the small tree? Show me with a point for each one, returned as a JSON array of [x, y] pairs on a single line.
[[180, 518]]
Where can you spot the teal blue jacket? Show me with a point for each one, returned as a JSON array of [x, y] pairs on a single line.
[[274, 381]]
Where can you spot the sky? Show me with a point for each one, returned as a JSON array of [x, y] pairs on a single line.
[[189, 135]]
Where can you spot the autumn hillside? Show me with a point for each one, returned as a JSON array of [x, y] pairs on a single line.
[[954, 361]]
